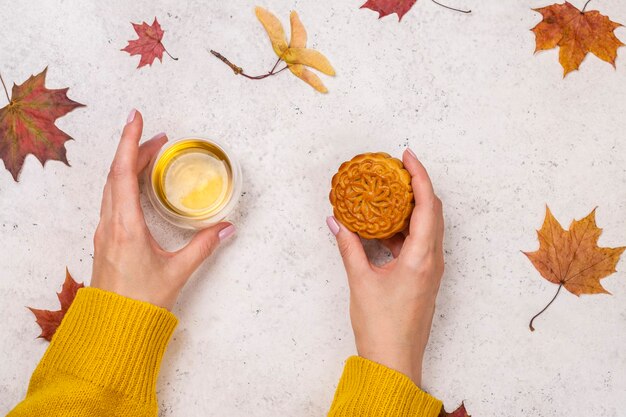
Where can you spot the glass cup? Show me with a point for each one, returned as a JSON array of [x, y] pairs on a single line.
[[193, 182]]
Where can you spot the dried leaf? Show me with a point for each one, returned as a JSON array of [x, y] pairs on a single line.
[[298, 32], [27, 124], [295, 54], [459, 412], [387, 7], [274, 30], [571, 258], [308, 77], [576, 33], [310, 58], [49, 320], [298, 40], [149, 44]]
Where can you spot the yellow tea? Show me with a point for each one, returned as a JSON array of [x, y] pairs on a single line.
[[193, 178]]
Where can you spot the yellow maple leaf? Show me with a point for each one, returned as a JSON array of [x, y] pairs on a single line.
[[295, 53]]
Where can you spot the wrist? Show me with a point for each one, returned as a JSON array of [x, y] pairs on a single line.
[[401, 359]]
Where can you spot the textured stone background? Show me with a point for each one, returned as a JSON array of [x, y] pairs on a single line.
[[264, 326]]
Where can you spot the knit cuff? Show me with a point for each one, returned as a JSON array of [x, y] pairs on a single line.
[[367, 388], [111, 341]]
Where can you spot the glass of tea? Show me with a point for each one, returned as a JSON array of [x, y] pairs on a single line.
[[193, 182]]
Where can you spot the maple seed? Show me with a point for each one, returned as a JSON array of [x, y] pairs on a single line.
[[27, 123], [295, 53], [572, 258]]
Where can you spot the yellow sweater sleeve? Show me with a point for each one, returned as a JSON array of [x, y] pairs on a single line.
[[103, 360], [367, 389]]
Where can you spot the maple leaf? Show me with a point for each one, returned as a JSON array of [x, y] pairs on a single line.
[[387, 7], [295, 53], [149, 44], [571, 258], [27, 123], [399, 7], [49, 320], [459, 412], [576, 33]]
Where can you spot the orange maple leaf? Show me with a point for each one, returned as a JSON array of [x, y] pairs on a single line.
[[49, 320], [27, 123], [576, 33], [572, 258]]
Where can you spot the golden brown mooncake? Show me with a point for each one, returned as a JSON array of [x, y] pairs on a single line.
[[371, 195]]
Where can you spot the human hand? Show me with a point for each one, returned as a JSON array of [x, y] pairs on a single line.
[[127, 259], [392, 307]]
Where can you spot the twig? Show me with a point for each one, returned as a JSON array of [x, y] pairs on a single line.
[[585, 8], [239, 71], [452, 8], [5, 89], [532, 329]]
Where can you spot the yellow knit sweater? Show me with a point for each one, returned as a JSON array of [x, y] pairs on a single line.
[[104, 361]]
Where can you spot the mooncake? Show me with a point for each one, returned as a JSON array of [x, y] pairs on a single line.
[[371, 195]]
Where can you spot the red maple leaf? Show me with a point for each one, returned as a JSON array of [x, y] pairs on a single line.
[[459, 412], [27, 123], [148, 45], [49, 320], [387, 7], [399, 7]]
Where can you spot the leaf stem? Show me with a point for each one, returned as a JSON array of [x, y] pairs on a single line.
[[585, 7], [239, 71], [168, 53], [532, 329], [5, 89], [275, 65], [452, 8]]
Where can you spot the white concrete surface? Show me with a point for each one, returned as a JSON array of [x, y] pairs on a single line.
[[264, 326]]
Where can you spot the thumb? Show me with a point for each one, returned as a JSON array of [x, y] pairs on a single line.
[[202, 245], [350, 247]]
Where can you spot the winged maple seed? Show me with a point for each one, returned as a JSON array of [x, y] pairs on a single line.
[[27, 123], [459, 412], [571, 258], [295, 54], [399, 7], [576, 33], [49, 320], [149, 44]]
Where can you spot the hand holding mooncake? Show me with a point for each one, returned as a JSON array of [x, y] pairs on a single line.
[[391, 306], [372, 196]]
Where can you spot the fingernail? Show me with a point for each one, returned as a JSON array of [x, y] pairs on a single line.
[[411, 152], [158, 136], [332, 224], [226, 232], [131, 116]]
